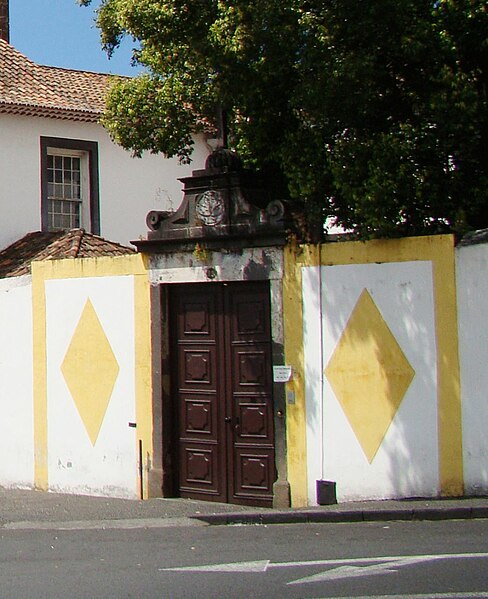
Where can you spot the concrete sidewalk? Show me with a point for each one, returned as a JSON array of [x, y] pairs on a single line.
[[27, 509]]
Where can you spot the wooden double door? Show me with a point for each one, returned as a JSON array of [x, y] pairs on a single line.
[[222, 391]]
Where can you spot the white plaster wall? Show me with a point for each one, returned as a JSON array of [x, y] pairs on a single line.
[[16, 380], [74, 464], [129, 187], [407, 462], [19, 178], [472, 300]]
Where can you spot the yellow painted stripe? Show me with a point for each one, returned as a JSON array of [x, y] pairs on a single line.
[[131, 264], [143, 373], [296, 419], [406, 249], [451, 476]]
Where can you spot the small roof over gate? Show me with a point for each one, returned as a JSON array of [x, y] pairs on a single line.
[[16, 259]]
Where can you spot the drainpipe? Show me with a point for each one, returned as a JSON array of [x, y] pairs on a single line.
[[321, 338], [326, 489]]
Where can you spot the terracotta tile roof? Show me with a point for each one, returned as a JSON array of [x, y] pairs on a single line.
[[35, 90], [15, 260]]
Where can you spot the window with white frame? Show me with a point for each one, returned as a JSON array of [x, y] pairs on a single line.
[[69, 176]]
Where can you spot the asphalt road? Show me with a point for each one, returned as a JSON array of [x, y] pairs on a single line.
[[446, 559]]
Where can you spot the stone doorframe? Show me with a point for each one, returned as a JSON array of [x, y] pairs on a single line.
[[224, 265]]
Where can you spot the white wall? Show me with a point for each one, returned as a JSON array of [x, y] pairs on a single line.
[[16, 372], [20, 190], [472, 298], [129, 187], [406, 462]]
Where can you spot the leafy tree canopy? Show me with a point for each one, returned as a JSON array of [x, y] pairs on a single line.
[[375, 112]]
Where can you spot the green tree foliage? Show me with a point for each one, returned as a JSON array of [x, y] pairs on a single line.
[[374, 111]]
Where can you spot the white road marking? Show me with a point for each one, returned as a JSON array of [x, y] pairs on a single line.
[[356, 571], [259, 566], [463, 595], [264, 565], [346, 572]]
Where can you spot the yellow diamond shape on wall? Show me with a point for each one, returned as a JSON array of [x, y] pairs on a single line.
[[90, 370], [369, 374]]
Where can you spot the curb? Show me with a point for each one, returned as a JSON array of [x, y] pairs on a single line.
[[314, 516], [121, 524]]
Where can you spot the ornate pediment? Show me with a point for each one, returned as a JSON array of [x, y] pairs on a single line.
[[222, 201]]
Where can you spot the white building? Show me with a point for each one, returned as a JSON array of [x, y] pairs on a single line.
[[59, 168]]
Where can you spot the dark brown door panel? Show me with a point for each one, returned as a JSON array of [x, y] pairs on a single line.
[[222, 391]]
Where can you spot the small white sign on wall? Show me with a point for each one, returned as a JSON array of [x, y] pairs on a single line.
[[282, 374]]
